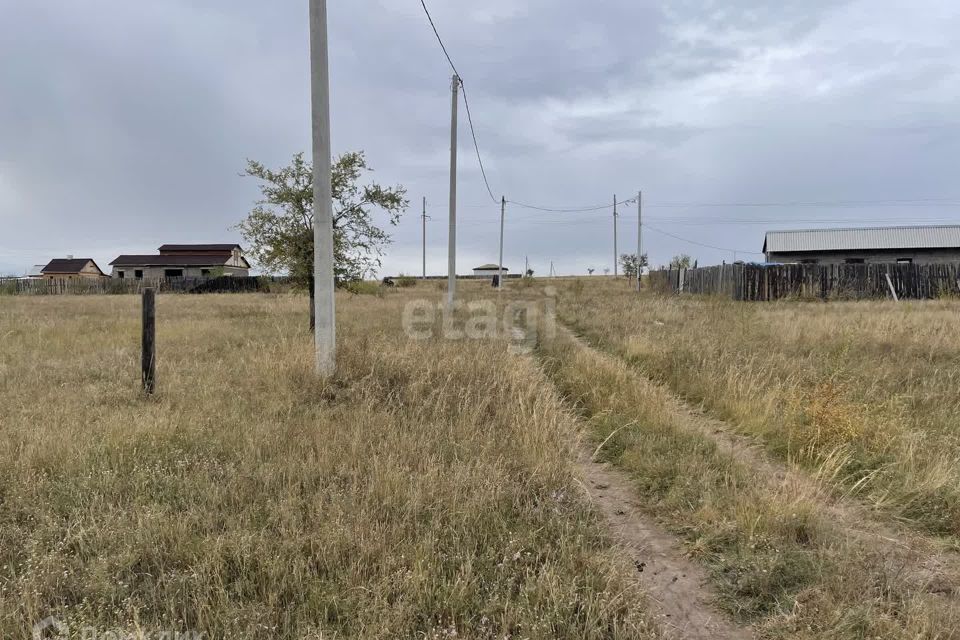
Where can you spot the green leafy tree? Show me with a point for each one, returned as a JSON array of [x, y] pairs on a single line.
[[630, 264], [279, 229], [681, 261]]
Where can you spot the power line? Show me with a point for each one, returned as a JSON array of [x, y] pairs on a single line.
[[473, 134], [827, 203], [599, 207], [483, 172], [466, 102], [701, 244], [439, 39]]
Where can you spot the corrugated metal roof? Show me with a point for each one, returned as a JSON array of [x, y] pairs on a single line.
[[929, 237]]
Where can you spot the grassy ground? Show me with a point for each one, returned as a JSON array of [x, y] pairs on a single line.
[[861, 397], [863, 393], [428, 489], [778, 557], [425, 491]]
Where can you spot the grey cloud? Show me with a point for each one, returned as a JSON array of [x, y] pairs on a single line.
[[123, 125]]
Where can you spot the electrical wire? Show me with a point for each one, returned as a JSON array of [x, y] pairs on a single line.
[[466, 102], [701, 244], [572, 209], [486, 182], [926, 202], [476, 146], [439, 39]]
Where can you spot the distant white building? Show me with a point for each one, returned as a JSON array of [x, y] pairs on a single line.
[[488, 270]]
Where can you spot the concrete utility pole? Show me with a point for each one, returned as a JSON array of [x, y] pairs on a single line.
[[614, 235], [424, 216], [503, 208], [452, 242], [639, 236], [324, 310], [526, 265]]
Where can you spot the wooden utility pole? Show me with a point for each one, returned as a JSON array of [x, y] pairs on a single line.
[[503, 209], [452, 240], [324, 311], [614, 235], [639, 236], [424, 216], [148, 341]]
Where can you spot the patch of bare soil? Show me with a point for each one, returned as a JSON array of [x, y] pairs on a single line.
[[676, 586]]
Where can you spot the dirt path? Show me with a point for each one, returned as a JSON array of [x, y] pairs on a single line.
[[930, 566], [676, 586]]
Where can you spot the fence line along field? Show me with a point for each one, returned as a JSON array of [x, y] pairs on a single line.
[[424, 491], [741, 281]]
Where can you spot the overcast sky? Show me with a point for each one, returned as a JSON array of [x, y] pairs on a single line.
[[124, 125]]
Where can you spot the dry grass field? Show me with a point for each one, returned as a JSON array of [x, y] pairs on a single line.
[[804, 454], [426, 491], [838, 516], [865, 394]]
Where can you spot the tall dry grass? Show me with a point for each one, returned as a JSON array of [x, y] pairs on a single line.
[[865, 394], [425, 491], [780, 554], [777, 554]]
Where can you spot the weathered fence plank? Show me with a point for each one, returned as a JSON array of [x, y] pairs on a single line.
[[839, 281], [99, 286], [148, 342]]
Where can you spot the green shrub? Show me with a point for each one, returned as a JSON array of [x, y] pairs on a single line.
[[363, 288], [406, 281]]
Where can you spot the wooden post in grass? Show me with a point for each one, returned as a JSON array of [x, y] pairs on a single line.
[[148, 358], [893, 292]]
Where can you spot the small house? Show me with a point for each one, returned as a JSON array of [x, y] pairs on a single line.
[[71, 268], [488, 270], [183, 261], [903, 245]]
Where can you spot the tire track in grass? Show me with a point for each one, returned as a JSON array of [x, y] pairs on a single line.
[[678, 588], [931, 564], [781, 551]]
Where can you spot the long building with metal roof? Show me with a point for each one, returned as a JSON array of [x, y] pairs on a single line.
[[908, 244]]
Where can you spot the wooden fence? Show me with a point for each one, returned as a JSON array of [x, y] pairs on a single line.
[[810, 281], [93, 286]]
